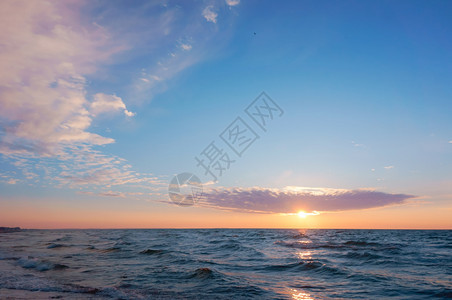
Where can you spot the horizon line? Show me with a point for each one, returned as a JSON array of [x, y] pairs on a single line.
[[216, 228]]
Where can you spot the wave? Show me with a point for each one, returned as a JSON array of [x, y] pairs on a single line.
[[224, 249], [40, 265], [202, 273], [227, 264], [444, 293], [153, 251], [362, 244], [362, 256], [56, 246], [309, 287], [307, 245], [109, 250], [106, 250], [295, 266], [299, 236], [312, 266], [63, 239]]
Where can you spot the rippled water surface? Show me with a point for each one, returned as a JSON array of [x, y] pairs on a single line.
[[227, 264]]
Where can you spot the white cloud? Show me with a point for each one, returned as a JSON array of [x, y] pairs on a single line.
[[389, 167], [209, 14], [450, 142], [45, 112], [186, 47], [129, 113], [104, 103], [232, 2], [357, 144], [45, 53]]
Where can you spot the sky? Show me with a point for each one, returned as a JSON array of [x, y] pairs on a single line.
[[293, 114]]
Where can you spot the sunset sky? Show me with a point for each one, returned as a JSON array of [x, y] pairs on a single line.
[[102, 103]]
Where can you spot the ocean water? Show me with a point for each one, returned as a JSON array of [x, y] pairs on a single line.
[[226, 264]]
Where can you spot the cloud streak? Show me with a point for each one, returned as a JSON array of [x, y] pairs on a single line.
[[232, 2], [186, 36], [294, 199]]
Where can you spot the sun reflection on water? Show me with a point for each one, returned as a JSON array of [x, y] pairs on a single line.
[[305, 255], [297, 295]]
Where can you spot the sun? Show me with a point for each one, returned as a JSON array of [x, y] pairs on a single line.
[[302, 214]]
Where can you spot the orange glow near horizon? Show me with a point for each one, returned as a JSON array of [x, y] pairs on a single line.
[[112, 213]]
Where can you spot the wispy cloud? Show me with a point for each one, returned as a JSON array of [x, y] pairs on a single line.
[[182, 31], [112, 194], [12, 181], [186, 47], [294, 199], [389, 167], [357, 144], [50, 54], [209, 14], [232, 2]]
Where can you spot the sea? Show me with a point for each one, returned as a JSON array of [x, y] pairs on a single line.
[[226, 264]]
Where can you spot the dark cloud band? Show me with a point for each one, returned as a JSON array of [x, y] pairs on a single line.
[[261, 200]]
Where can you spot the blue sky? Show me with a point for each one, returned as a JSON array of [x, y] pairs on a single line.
[[132, 92]]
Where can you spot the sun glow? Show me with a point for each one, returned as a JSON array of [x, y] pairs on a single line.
[[303, 214]]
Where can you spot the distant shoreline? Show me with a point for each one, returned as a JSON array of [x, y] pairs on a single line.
[[9, 229]]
